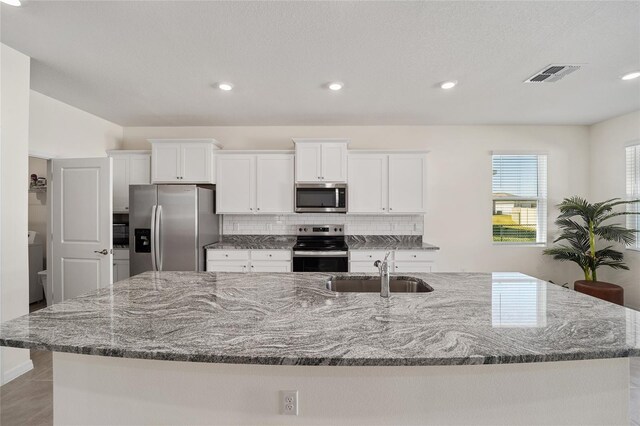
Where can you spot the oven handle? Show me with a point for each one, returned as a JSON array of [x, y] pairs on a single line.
[[320, 254]]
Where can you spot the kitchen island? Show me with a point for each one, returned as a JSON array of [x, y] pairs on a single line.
[[184, 347]]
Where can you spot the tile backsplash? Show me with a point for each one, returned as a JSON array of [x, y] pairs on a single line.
[[234, 224]]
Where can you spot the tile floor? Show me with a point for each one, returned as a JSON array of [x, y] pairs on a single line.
[[28, 400]]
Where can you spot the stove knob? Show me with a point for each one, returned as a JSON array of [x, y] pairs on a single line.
[[340, 229], [300, 229], [305, 229], [335, 229]]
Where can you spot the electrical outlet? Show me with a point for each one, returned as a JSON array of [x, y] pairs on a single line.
[[289, 402]]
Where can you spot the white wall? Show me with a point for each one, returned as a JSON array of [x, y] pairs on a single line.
[[14, 135], [607, 180], [57, 129], [459, 178]]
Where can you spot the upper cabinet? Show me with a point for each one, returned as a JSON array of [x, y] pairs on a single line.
[[249, 183], [129, 168], [387, 183], [183, 160], [321, 160]]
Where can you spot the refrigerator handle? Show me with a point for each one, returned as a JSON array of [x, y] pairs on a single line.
[[153, 238], [159, 237]]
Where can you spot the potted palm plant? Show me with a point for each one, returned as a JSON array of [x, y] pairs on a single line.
[[583, 226]]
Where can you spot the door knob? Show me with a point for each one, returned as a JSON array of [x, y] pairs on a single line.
[[103, 251]]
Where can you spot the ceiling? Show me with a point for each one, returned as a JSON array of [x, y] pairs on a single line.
[[155, 63]]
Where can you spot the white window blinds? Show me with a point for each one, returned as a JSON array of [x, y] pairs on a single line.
[[633, 188], [519, 187]]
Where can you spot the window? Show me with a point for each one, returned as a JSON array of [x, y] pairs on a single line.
[[519, 186], [633, 188]]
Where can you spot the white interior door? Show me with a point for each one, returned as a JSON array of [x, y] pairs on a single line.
[[82, 242]]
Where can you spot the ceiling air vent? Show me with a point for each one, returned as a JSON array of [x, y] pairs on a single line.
[[552, 73]]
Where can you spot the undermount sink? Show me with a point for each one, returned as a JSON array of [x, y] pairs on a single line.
[[371, 284]]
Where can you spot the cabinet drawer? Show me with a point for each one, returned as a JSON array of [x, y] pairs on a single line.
[[367, 267], [227, 254], [223, 266], [270, 266], [270, 254], [416, 255], [120, 254], [373, 255], [401, 267]]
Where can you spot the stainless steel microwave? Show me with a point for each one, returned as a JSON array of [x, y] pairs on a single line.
[[321, 198]]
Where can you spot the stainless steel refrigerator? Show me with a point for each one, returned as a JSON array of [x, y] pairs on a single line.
[[169, 225]]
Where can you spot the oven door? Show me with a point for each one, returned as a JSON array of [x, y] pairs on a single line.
[[320, 262], [321, 198]]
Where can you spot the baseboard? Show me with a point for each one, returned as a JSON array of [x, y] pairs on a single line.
[[17, 371]]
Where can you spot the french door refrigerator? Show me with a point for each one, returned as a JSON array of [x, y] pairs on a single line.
[[169, 225]]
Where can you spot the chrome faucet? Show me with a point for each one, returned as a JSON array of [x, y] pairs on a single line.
[[383, 267]]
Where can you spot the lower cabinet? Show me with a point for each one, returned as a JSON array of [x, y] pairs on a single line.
[[120, 265], [400, 261], [249, 260]]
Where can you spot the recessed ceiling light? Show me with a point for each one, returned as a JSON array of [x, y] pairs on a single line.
[[631, 75], [335, 86], [448, 85], [225, 86], [11, 2]]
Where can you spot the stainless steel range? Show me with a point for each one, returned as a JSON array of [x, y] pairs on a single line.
[[320, 248]]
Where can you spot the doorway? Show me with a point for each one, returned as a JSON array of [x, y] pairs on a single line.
[[39, 216]]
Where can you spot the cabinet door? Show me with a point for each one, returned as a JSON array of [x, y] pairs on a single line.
[[407, 183], [196, 163], [120, 184], [165, 164], [274, 183], [403, 267], [235, 188], [368, 183], [308, 162], [120, 270], [139, 170], [334, 162]]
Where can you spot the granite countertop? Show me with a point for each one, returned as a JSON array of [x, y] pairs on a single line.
[[253, 242], [355, 242], [292, 319], [388, 242]]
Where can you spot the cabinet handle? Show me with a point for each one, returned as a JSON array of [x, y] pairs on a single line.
[[390, 208], [319, 177], [251, 208], [383, 208], [270, 255], [415, 255], [258, 208], [226, 255], [126, 208]]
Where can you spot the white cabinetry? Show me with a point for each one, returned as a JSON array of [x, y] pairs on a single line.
[[249, 260], [321, 160], [387, 183], [129, 168], [120, 264], [183, 160], [400, 261], [250, 183]]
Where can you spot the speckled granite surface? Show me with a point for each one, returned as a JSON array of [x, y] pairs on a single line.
[[254, 242], [355, 242], [293, 319], [388, 242]]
